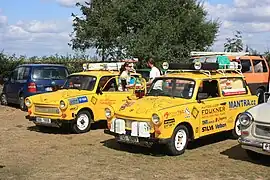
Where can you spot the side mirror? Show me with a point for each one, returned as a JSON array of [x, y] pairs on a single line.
[[266, 96], [99, 90], [201, 96]]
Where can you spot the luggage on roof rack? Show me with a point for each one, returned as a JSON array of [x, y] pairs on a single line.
[[202, 53], [193, 66], [197, 65]]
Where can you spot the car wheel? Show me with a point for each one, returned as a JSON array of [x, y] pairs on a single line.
[[253, 155], [4, 99], [22, 104], [260, 95], [236, 132], [179, 141], [82, 122]]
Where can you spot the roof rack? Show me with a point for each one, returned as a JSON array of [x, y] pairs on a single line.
[[108, 66], [204, 68], [202, 53]]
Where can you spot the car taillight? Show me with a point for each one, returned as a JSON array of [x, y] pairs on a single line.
[[32, 87]]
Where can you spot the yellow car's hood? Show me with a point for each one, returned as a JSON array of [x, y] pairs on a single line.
[[145, 107], [55, 97]]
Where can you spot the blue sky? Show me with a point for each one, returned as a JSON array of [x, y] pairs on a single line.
[[42, 27]]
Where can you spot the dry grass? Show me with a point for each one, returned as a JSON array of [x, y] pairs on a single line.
[[29, 153]]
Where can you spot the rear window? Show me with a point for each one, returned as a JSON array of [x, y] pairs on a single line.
[[49, 72], [232, 86], [259, 66]]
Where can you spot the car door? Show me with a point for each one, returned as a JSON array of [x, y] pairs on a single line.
[[22, 79], [11, 86], [235, 92], [109, 96], [212, 107]]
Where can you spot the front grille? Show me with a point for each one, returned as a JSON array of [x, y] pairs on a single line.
[[47, 110], [136, 128], [261, 130]]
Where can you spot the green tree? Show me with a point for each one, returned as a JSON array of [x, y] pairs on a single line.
[[234, 44], [165, 30], [267, 55]]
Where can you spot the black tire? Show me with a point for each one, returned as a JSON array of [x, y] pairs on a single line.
[[22, 105], [253, 155], [260, 94], [82, 122], [3, 99], [234, 134], [171, 145]]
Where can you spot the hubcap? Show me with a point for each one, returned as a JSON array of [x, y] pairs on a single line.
[[180, 140], [237, 128], [4, 99], [82, 122]]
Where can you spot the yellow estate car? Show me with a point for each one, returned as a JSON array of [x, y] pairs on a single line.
[[181, 106], [80, 102]]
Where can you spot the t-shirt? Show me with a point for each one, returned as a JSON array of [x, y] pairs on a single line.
[[153, 74], [124, 76]]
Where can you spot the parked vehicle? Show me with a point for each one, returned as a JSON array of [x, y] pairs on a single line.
[[255, 130], [82, 99], [181, 106], [30, 79], [254, 68]]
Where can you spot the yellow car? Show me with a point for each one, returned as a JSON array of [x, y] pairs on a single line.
[[80, 102], [181, 106]]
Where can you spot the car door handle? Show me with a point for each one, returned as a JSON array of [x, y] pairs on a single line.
[[224, 103]]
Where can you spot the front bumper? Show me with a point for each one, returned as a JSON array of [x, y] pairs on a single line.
[[144, 141], [53, 122], [252, 145]]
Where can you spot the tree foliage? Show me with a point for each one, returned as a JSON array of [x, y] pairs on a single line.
[[165, 30], [234, 44]]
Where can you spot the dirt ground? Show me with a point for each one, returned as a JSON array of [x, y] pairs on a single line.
[[27, 152]]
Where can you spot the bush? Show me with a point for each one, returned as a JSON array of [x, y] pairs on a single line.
[[73, 63]]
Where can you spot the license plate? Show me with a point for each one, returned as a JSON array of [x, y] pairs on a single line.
[[43, 120], [130, 139], [48, 89], [266, 147]]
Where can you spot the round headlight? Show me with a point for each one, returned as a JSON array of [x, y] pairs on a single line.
[[27, 102], [108, 112], [155, 119], [245, 119], [62, 104]]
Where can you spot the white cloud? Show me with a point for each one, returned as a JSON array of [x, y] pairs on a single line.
[[3, 20], [251, 17]]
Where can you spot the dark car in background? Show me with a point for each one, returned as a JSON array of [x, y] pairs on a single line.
[[30, 79]]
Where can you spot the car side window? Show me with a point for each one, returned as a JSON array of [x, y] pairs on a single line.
[[259, 66], [20, 73], [14, 75], [208, 89], [108, 83], [246, 66], [26, 73], [232, 86]]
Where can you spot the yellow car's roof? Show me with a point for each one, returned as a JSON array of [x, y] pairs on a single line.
[[100, 73], [200, 75]]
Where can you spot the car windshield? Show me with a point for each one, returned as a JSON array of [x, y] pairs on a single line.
[[81, 82], [172, 87], [49, 72]]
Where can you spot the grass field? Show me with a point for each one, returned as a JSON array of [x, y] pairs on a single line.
[[28, 152]]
